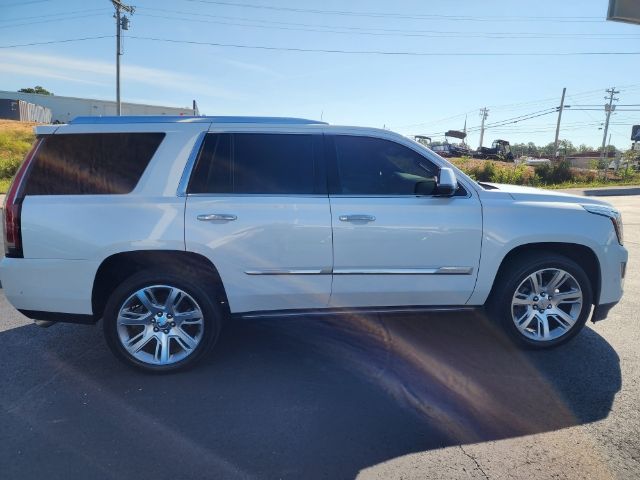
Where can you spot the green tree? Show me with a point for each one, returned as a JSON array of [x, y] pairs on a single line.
[[565, 147], [584, 148], [37, 89]]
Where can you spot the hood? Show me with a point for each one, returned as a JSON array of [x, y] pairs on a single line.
[[531, 194]]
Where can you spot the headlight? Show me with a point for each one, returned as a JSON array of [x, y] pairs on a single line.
[[609, 212]]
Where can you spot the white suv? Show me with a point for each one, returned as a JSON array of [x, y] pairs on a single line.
[[163, 227]]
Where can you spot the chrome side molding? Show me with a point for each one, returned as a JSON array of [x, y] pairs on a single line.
[[365, 271], [404, 271], [298, 271]]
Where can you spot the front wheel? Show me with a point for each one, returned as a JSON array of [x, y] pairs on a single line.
[[542, 299], [160, 322]]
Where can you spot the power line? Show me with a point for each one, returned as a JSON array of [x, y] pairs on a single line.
[[382, 52], [306, 27], [73, 12], [398, 15], [349, 52], [19, 4], [52, 20], [67, 40]]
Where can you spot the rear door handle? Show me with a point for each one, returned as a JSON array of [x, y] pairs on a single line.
[[212, 217], [357, 218]]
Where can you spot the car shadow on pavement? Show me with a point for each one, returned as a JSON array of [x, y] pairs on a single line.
[[288, 398]]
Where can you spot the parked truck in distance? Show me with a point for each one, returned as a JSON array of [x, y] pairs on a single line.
[[500, 150]]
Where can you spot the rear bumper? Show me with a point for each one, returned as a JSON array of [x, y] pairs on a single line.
[[49, 285]]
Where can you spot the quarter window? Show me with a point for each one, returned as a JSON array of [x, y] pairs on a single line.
[[95, 163], [373, 166], [258, 163]]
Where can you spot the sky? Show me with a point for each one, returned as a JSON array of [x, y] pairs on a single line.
[[420, 67]]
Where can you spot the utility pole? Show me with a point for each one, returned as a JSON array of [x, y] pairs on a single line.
[[555, 143], [609, 107], [122, 23], [484, 113]]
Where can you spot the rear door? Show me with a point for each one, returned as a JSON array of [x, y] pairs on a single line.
[[257, 207], [393, 246]]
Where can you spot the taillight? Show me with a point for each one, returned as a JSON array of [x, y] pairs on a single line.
[[13, 206]]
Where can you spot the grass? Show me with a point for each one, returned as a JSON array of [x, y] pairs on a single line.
[[15, 140]]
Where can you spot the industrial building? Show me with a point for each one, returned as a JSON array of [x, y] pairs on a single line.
[[23, 111], [64, 109]]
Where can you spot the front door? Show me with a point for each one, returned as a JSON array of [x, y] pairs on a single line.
[[395, 243]]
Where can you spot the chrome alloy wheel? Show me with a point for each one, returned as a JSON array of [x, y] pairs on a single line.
[[546, 304], [160, 325]]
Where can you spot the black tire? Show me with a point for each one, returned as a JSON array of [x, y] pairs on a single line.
[[212, 318], [499, 306]]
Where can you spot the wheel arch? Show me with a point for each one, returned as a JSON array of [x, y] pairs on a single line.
[[116, 268], [581, 254]]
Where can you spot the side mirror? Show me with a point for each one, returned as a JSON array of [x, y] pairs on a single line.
[[447, 183]]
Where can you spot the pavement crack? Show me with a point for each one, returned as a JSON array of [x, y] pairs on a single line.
[[474, 461]]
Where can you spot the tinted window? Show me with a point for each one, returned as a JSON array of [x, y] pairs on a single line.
[[257, 163], [372, 166], [103, 163]]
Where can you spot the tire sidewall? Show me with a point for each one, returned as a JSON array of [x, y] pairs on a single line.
[[516, 276], [211, 318]]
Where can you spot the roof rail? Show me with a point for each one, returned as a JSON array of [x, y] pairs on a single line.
[[190, 119]]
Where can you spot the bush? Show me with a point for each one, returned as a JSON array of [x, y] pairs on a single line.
[[555, 173]]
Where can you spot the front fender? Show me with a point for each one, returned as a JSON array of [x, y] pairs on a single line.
[[508, 225]]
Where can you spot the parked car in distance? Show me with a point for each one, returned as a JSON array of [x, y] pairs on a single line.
[[166, 227]]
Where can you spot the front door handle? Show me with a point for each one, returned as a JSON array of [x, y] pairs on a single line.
[[212, 217], [357, 218]]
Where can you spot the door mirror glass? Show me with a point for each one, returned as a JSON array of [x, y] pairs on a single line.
[[426, 187], [447, 183]]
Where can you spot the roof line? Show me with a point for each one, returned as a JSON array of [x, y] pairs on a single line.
[[108, 120]]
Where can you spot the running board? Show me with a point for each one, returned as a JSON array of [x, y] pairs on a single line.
[[354, 311]]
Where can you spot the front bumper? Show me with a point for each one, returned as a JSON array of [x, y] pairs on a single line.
[[613, 266]]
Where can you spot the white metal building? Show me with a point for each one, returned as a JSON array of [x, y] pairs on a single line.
[[64, 109]]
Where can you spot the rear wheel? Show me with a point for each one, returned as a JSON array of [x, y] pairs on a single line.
[[542, 299], [160, 322]]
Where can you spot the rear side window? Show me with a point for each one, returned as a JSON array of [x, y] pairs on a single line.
[[91, 164], [259, 163]]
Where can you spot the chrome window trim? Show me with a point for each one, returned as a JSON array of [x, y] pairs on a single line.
[[341, 195], [191, 161], [218, 195]]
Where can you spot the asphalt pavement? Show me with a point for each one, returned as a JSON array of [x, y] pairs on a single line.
[[404, 397]]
